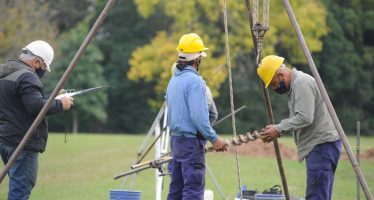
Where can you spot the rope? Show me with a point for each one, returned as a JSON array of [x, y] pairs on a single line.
[[231, 93]]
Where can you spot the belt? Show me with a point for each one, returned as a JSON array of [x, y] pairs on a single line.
[[198, 135]]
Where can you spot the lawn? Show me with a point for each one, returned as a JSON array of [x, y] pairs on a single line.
[[83, 168]]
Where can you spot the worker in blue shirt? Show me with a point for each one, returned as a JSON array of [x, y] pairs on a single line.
[[189, 122]]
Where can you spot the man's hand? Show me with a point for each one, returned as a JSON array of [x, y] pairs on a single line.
[[67, 102], [269, 133], [220, 145]]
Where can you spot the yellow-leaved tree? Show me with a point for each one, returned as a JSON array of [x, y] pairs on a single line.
[[153, 61], [22, 24]]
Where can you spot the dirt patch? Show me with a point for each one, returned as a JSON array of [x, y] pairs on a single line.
[[368, 154], [260, 149]]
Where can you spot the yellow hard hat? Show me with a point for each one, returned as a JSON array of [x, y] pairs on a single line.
[[191, 43], [269, 65]]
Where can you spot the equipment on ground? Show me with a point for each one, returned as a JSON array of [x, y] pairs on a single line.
[[156, 163]]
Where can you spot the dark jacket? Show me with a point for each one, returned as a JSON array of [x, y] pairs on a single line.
[[21, 99]]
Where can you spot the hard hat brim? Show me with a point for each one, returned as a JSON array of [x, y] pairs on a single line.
[[48, 68]]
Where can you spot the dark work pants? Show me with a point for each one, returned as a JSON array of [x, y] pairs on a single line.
[[22, 174], [321, 164], [188, 169]]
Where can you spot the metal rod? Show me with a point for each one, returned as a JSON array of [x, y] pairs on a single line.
[[215, 182], [153, 165], [141, 157], [59, 86], [149, 162], [269, 110], [131, 172], [151, 130], [145, 142], [326, 98], [358, 156], [229, 115]]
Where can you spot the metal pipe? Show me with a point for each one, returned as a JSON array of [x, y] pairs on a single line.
[[151, 130], [215, 182], [142, 156], [155, 164], [269, 110], [59, 86], [326, 98], [227, 116]]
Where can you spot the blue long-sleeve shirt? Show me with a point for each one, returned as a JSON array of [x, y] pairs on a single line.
[[187, 105]]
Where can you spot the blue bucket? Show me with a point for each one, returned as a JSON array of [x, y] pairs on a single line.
[[124, 195], [270, 197]]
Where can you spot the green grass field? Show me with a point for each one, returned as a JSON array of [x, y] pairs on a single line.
[[83, 168]]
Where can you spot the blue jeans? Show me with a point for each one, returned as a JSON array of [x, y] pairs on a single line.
[[321, 164], [22, 174], [188, 169]]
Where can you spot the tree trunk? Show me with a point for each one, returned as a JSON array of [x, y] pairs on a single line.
[[75, 123]]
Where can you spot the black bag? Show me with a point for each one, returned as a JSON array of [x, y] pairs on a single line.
[[276, 189]]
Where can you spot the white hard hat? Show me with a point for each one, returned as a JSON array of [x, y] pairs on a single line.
[[43, 50], [190, 56]]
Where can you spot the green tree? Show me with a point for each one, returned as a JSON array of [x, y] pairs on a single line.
[[343, 66], [22, 24], [88, 112], [123, 31], [66, 14]]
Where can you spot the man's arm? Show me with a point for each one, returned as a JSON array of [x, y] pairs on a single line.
[[197, 104], [304, 109], [30, 91]]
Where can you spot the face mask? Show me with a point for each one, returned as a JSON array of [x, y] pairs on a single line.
[[281, 89], [40, 72]]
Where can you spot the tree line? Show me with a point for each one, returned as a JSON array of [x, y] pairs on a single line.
[[134, 49]]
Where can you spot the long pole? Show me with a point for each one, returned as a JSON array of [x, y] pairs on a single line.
[[59, 86], [269, 110], [326, 98]]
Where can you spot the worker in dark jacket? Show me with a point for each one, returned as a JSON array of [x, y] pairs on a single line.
[[21, 99]]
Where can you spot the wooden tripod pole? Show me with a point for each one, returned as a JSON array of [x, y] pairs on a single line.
[[326, 98], [59, 86], [269, 110]]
